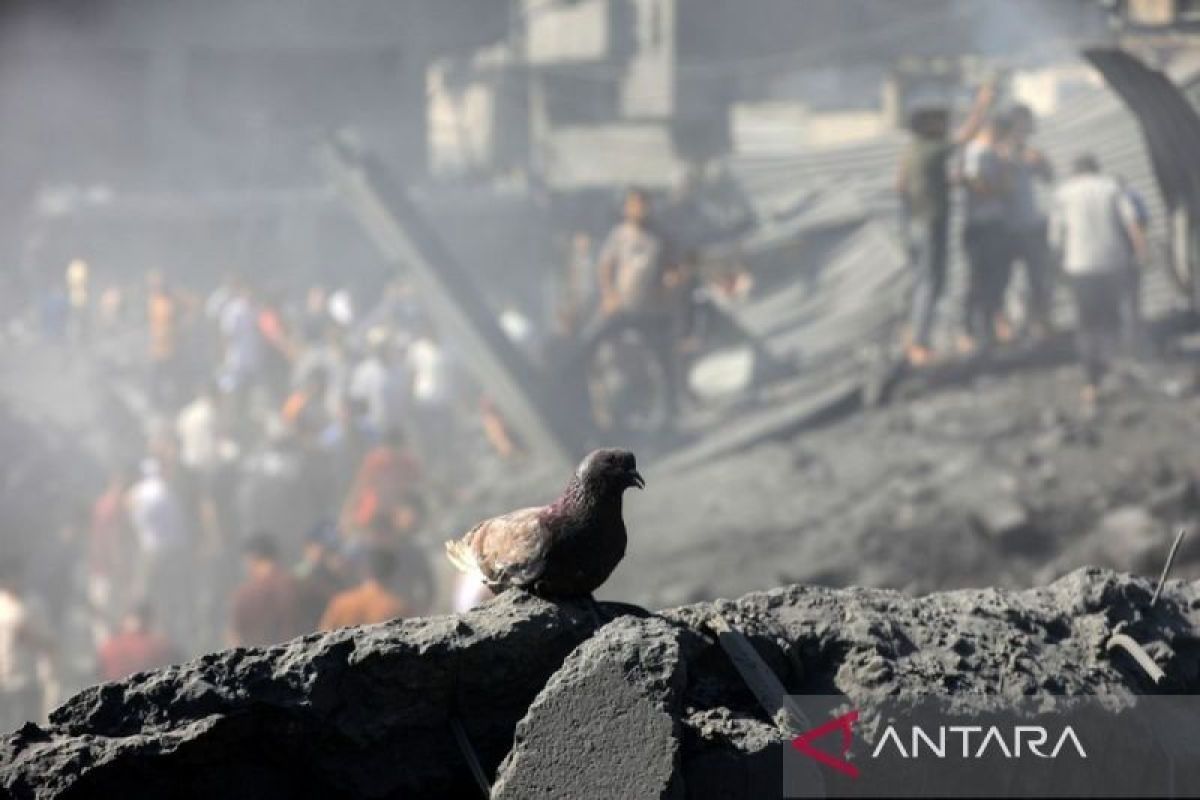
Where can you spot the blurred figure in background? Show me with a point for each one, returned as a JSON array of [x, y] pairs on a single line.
[[577, 298], [923, 184], [163, 315], [388, 485], [681, 282], [23, 640], [633, 260], [198, 430], [369, 602], [413, 575], [277, 346], [632, 268], [1095, 229], [111, 309], [315, 315], [320, 575], [432, 402], [241, 346], [1136, 342], [988, 181], [110, 552], [135, 647], [380, 383], [266, 608], [305, 410], [78, 301], [55, 574], [203, 479], [1027, 224], [496, 429], [329, 356], [163, 571]]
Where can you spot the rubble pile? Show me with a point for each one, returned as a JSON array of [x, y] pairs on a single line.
[[645, 706], [998, 482]]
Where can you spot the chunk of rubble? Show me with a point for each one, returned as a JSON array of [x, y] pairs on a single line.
[[640, 708]]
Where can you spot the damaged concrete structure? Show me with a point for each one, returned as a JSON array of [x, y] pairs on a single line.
[[643, 707]]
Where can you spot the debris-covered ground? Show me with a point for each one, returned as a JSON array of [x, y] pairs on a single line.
[[999, 483], [552, 707]]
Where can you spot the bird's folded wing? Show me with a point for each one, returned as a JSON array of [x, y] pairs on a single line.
[[511, 549]]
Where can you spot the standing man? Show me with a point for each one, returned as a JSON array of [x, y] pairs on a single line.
[[163, 571], [243, 347], [1027, 225], [136, 647], [380, 383], [162, 314], [1136, 343], [1095, 228], [633, 266], [320, 575], [78, 301], [266, 608], [924, 188], [987, 180], [432, 395], [371, 601], [632, 261]]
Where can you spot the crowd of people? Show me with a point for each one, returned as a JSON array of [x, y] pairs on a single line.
[[1093, 233], [287, 462], [286, 457], [291, 458]]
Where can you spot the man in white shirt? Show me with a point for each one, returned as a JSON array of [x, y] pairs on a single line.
[[163, 570], [198, 432], [1095, 229], [433, 402], [380, 383]]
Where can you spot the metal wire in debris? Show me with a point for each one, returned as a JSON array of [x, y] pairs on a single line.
[[472, 759], [1162, 579]]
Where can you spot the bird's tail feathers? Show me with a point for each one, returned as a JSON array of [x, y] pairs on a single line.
[[462, 558]]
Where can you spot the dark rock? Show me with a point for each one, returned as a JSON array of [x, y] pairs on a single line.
[[622, 688], [646, 707], [354, 713]]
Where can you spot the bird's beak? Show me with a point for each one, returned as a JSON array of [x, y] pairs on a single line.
[[637, 479]]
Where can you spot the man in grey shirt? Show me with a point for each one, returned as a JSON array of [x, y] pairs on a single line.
[[633, 266], [1095, 229], [632, 261]]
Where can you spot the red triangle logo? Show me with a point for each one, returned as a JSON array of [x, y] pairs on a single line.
[[804, 741]]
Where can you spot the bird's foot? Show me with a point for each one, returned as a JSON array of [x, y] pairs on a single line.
[[599, 616]]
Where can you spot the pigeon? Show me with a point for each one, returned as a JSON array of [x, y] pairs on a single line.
[[564, 550]]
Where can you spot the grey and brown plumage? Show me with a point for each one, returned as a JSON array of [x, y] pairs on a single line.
[[565, 549]]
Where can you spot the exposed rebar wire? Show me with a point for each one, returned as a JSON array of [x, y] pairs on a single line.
[[759, 677], [1162, 579], [472, 759]]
